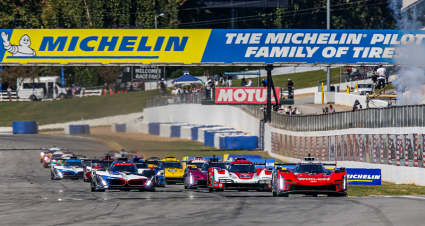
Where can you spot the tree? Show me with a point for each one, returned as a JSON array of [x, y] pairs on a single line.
[[10, 75], [109, 74]]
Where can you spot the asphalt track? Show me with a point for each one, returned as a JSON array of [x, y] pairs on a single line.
[[29, 197]]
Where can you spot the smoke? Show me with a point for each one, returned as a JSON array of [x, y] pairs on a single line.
[[410, 84]]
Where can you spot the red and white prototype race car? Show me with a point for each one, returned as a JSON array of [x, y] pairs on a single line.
[[309, 177], [240, 175]]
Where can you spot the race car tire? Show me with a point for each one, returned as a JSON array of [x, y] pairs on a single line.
[[141, 190], [284, 195], [210, 189], [185, 187], [92, 188], [315, 195], [51, 176], [219, 189], [100, 190], [41, 160], [274, 193]]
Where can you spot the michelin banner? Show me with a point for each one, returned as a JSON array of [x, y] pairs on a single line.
[[357, 176], [215, 46]]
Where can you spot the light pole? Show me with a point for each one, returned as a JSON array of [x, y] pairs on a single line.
[[157, 75], [328, 26]]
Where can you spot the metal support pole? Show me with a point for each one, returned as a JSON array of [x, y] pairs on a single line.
[[233, 24], [156, 21], [328, 26], [269, 69]]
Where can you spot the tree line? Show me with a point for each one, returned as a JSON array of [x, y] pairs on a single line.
[[140, 14]]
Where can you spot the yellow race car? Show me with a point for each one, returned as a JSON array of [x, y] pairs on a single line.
[[173, 169]]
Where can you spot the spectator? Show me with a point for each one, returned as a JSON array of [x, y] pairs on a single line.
[[325, 110], [347, 90], [55, 90], [381, 73], [280, 110], [174, 91], [215, 83], [69, 92], [357, 105], [73, 90], [390, 103], [249, 83], [163, 85], [209, 86], [290, 111], [9, 92], [243, 82], [290, 89], [331, 109], [131, 86], [263, 82], [230, 81]]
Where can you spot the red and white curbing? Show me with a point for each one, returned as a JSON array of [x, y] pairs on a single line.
[[390, 143], [382, 148], [323, 149], [406, 153], [415, 155], [374, 148]]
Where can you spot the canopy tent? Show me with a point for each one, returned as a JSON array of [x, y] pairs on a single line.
[[187, 79]]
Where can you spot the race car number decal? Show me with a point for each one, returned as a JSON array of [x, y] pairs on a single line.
[[322, 179]]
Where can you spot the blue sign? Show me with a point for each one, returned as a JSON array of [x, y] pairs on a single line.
[[356, 176], [312, 46], [62, 78]]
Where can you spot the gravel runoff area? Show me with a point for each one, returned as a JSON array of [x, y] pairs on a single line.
[[29, 197]]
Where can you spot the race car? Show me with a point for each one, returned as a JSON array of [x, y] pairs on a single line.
[[155, 164], [309, 177], [193, 173], [241, 175], [144, 170], [71, 169], [101, 164], [121, 175], [50, 151], [121, 154], [173, 170], [207, 170], [49, 158]]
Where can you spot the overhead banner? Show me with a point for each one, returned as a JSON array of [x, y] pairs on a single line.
[[243, 95], [357, 176], [210, 46]]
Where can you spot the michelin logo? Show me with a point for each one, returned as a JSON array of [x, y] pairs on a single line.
[[363, 176], [23, 49]]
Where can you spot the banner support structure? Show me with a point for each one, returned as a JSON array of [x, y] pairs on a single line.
[[269, 69], [328, 27]]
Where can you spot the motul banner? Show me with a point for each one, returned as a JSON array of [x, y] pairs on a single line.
[[243, 95]]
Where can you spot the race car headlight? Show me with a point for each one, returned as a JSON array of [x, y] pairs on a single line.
[[42, 154], [59, 173], [160, 173], [191, 178], [281, 183], [344, 183], [149, 183], [102, 181]]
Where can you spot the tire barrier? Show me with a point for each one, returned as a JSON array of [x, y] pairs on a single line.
[[211, 135], [79, 129], [120, 128], [25, 127]]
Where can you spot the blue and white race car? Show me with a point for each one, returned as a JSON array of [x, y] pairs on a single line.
[[121, 175], [73, 168]]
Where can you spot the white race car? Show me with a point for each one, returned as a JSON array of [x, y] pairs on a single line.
[[241, 175], [121, 175], [72, 168]]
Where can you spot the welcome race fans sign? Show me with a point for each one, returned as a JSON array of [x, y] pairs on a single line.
[[243, 95], [207, 46]]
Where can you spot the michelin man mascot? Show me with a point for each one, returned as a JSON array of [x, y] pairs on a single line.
[[23, 49]]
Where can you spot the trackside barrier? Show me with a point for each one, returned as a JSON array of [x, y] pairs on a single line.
[[4, 96], [77, 129], [188, 98], [25, 127]]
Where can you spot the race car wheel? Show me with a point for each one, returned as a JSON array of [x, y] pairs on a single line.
[[210, 189], [41, 160], [315, 195], [284, 195], [51, 176], [44, 165], [274, 193], [185, 187], [92, 188]]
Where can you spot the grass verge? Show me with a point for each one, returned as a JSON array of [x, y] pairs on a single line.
[[57, 111], [301, 79], [386, 189]]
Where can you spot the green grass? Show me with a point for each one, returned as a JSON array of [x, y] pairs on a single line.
[[386, 189], [300, 80], [178, 149], [57, 111]]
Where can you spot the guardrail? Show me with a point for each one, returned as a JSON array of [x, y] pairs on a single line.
[[187, 98]]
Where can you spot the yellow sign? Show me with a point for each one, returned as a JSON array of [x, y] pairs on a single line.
[[103, 46]]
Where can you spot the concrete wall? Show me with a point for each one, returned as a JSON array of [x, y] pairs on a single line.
[[224, 115]]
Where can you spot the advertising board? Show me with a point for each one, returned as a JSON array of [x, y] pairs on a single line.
[[358, 176], [243, 95], [209, 46]]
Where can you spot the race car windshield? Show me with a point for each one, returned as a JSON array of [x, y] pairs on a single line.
[[242, 168], [309, 168], [103, 164], [56, 156], [156, 163], [171, 165], [198, 165], [221, 166], [78, 164], [148, 173], [141, 165], [129, 168]]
